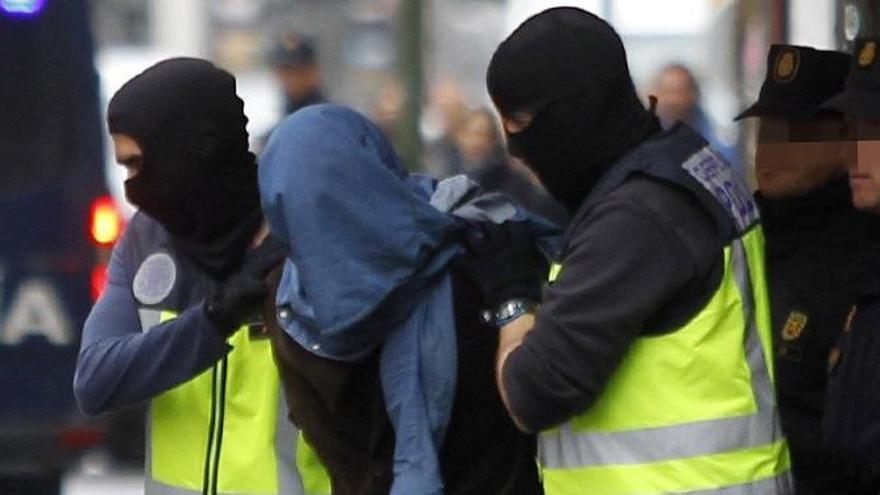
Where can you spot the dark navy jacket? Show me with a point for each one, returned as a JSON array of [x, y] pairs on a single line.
[[119, 364], [852, 418]]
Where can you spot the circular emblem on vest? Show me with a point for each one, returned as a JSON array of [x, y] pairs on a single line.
[[154, 279], [787, 63]]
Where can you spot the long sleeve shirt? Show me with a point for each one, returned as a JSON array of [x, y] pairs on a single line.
[[120, 363], [642, 261]]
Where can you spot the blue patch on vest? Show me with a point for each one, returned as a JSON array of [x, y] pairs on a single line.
[[719, 179]]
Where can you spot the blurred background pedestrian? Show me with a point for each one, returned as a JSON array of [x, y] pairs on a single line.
[[479, 153], [295, 62], [678, 100]]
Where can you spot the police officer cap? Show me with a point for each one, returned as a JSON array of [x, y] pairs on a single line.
[[799, 79], [860, 99], [293, 50]]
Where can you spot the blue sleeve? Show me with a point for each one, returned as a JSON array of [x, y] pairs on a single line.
[[120, 365]]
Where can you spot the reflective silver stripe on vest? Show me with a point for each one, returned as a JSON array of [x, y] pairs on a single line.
[[780, 484], [565, 448], [289, 481], [153, 487], [149, 318], [765, 396]]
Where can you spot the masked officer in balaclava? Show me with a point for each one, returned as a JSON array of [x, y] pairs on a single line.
[[647, 369], [175, 324]]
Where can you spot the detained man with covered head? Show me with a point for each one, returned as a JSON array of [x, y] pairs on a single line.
[[386, 359], [177, 325], [647, 368]]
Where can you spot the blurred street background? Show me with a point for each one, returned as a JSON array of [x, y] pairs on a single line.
[[417, 66]]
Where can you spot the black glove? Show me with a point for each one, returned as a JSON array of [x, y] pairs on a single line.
[[504, 261], [241, 295]]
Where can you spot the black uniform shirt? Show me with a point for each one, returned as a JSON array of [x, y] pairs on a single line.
[[643, 260], [813, 242], [851, 424]]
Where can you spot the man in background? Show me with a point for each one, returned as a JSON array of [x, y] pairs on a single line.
[[295, 62], [479, 154], [678, 100]]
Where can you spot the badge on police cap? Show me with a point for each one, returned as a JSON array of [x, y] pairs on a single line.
[[786, 66], [867, 54], [154, 279], [794, 325]]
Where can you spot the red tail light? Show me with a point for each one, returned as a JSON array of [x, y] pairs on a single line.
[[80, 438], [105, 221], [105, 227], [98, 281]]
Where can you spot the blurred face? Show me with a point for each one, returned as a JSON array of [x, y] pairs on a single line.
[[864, 167], [447, 99], [128, 153], [387, 107], [476, 137], [676, 95], [298, 82], [796, 157]]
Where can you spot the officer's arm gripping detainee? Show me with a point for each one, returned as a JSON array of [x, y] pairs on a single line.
[[643, 249], [120, 365]]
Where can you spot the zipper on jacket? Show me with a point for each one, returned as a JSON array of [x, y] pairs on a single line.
[[215, 427], [206, 477], [221, 412]]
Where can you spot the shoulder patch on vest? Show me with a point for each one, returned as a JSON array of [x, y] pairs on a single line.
[[719, 179], [154, 279]]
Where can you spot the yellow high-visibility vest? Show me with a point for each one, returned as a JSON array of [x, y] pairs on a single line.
[[224, 431], [689, 411]]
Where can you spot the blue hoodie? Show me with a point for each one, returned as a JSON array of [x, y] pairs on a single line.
[[368, 255]]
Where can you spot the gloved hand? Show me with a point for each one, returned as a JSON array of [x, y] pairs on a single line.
[[504, 261], [241, 295]]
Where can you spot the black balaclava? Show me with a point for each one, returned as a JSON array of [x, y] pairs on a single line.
[[198, 178], [568, 67]]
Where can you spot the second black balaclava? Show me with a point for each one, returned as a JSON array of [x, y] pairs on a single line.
[[198, 178], [568, 68]]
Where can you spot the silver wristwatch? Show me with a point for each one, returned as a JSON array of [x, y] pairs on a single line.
[[511, 310]]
